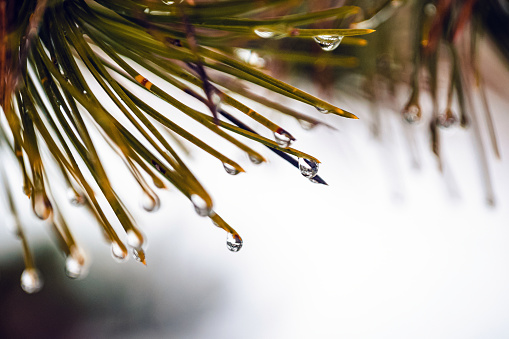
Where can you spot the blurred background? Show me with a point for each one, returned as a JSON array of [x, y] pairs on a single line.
[[393, 247]]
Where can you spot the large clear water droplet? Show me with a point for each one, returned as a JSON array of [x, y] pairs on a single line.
[[41, 206], [328, 42], [75, 264], [150, 203], [447, 119], [75, 198], [230, 169], [200, 206], [233, 242], [308, 168], [283, 139], [255, 159], [412, 113], [134, 239], [117, 252], [265, 33], [31, 281]]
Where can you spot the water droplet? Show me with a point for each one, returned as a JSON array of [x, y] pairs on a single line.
[[412, 113], [447, 119], [307, 125], [283, 139], [200, 206], [31, 281], [41, 205], [328, 42], [233, 242], [117, 252], [255, 159], [168, 2], [308, 168], [150, 203], [265, 33], [75, 264], [85, 92], [216, 99], [146, 10], [75, 198], [322, 110], [230, 169], [134, 239], [139, 255]]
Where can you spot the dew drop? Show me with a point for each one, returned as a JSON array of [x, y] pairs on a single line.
[[75, 198], [328, 42], [85, 92], [283, 139], [139, 255], [75, 264], [265, 33], [117, 252], [322, 110], [215, 98], [308, 168], [306, 125], [230, 169], [134, 239], [233, 242], [447, 119], [31, 281], [412, 113], [255, 159], [200, 206], [168, 2], [146, 10], [41, 206], [150, 203]]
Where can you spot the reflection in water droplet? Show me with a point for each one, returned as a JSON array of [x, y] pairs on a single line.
[[265, 33], [447, 119], [306, 125], [283, 139], [150, 203], [31, 281], [75, 198], [134, 239], [41, 205], [230, 169], [139, 255], [117, 252], [75, 264], [328, 42], [308, 168], [412, 113], [233, 242], [200, 206], [255, 159], [321, 109]]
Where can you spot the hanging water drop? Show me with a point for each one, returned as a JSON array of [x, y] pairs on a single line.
[[255, 159], [230, 169], [139, 255], [412, 113], [308, 168], [75, 198], [200, 206], [306, 125], [150, 202], [134, 239], [328, 42], [117, 252], [41, 205], [322, 110], [264, 33], [447, 119], [233, 242], [283, 139], [31, 281], [75, 264]]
